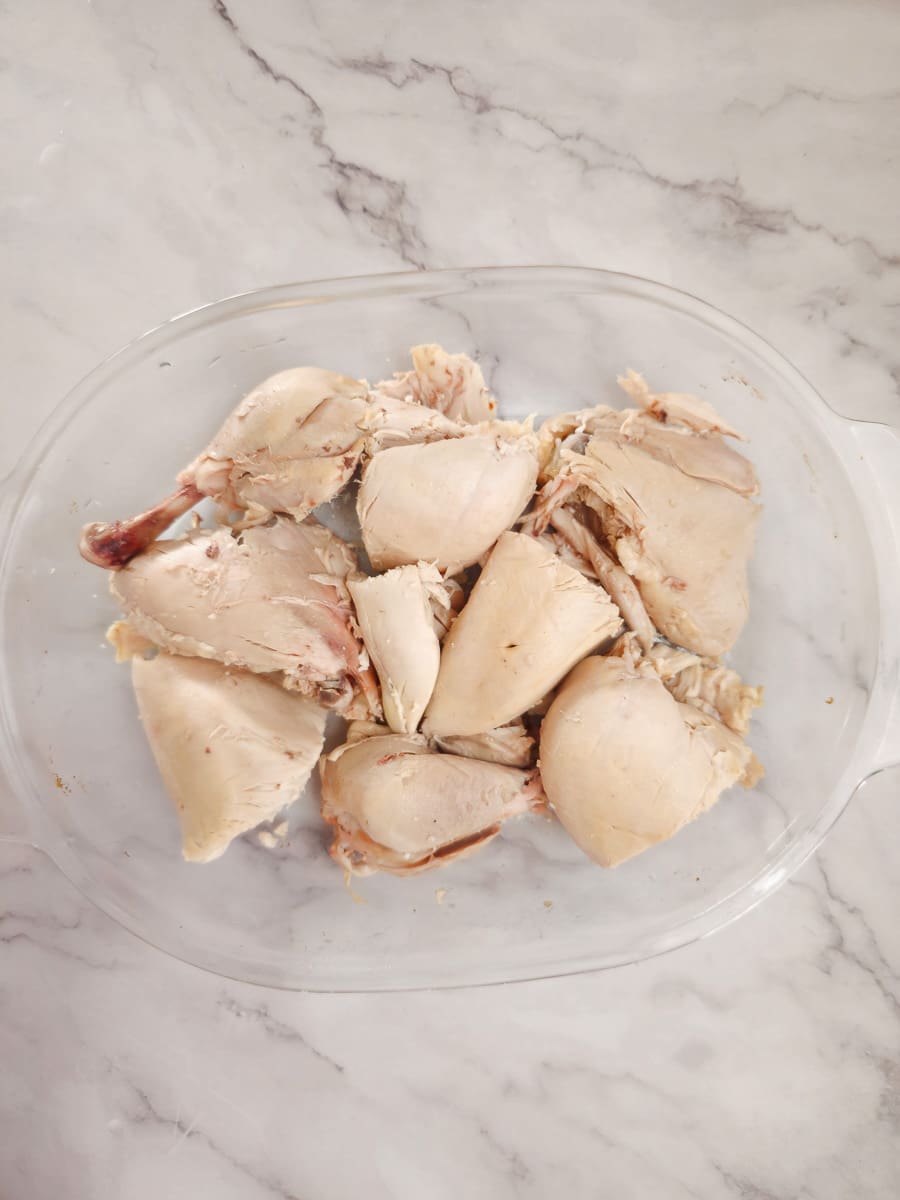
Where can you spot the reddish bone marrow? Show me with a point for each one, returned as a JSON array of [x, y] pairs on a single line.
[[113, 545]]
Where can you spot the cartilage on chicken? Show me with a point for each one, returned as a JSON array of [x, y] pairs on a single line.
[[529, 619], [444, 502], [272, 599], [674, 504], [291, 444], [233, 749], [396, 615], [396, 806], [625, 764], [451, 383]]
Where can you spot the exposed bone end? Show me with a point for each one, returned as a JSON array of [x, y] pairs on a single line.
[[113, 545]]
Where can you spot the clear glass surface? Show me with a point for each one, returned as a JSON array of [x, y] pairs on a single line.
[[79, 779]]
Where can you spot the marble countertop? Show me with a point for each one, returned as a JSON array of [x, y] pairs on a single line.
[[160, 155]]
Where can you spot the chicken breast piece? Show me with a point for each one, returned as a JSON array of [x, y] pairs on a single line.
[[291, 444], [397, 623], [625, 765], [233, 749], [451, 383], [273, 599], [396, 806], [445, 502], [529, 619]]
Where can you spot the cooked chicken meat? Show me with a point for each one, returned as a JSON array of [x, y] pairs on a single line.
[[272, 599], [444, 502], [396, 806], [711, 687], [451, 383], [291, 444], [674, 504], [510, 745], [396, 615], [625, 764], [529, 619], [645, 518], [233, 749], [621, 587]]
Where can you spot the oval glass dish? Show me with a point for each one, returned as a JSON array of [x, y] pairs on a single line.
[[78, 777]]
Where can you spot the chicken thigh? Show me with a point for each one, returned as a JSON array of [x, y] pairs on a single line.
[[529, 619], [272, 599], [396, 806], [233, 749], [625, 764]]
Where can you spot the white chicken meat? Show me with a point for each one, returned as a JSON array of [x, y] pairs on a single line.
[[625, 764], [233, 749], [675, 507], [397, 618], [444, 502], [529, 619], [273, 599], [451, 383], [291, 444], [394, 805]]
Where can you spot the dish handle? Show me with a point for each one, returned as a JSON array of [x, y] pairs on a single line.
[[879, 449]]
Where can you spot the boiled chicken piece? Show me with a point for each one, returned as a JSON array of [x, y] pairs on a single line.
[[272, 599], [687, 410], [233, 749], [396, 806], [396, 618], [621, 587], [444, 502], [675, 508], [451, 383], [714, 689], [291, 444], [625, 764], [391, 421], [510, 745], [529, 619]]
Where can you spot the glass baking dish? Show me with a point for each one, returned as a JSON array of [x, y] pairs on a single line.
[[78, 779]]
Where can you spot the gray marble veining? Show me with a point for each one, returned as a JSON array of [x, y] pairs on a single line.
[[159, 156]]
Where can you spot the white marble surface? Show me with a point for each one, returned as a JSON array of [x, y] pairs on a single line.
[[160, 155]]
